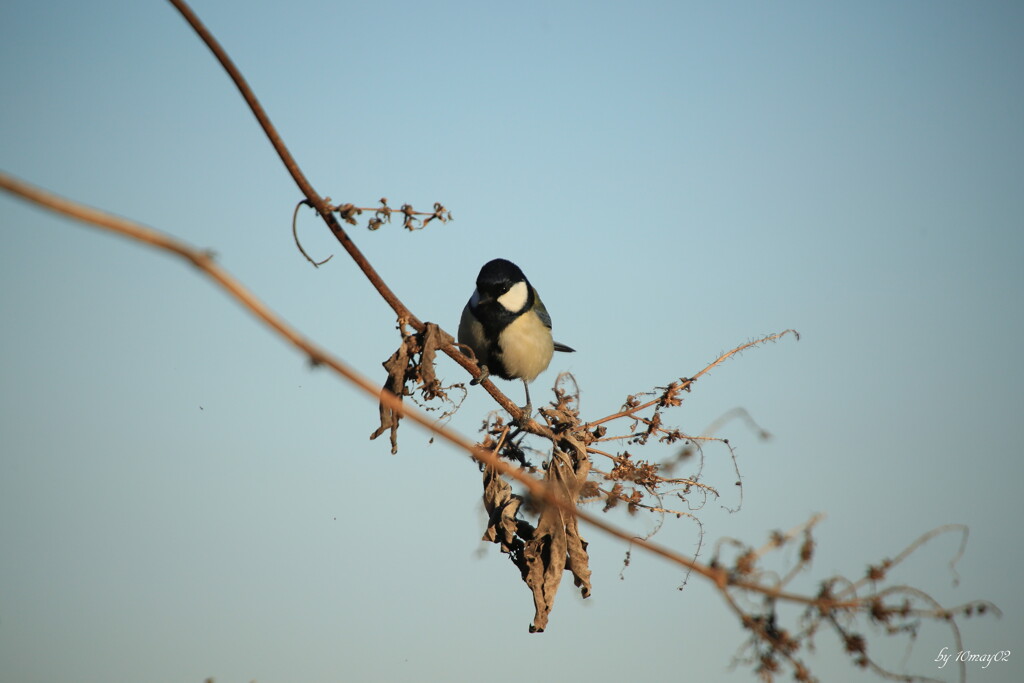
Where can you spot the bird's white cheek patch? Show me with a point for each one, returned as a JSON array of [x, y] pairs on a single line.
[[515, 298]]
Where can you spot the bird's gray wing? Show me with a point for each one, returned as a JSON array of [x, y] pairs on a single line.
[[542, 313], [538, 308]]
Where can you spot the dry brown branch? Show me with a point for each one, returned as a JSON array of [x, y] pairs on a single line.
[[326, 210]]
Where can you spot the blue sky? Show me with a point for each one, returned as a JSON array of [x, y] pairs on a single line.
[[181, 496]]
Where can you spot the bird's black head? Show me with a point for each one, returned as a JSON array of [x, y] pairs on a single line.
[[497, 277]]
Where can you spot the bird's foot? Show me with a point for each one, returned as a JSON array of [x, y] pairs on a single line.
[[484, 374], [525, 416]]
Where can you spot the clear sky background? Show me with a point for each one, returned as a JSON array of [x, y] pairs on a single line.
[[181, 496]]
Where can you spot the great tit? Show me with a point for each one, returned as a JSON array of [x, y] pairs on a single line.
[[507, 326]]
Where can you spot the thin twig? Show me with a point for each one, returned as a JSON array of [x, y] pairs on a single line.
[[325, 210], [295, 234], [687, 382]]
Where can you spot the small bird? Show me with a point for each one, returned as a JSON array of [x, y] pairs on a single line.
[[507, 326]]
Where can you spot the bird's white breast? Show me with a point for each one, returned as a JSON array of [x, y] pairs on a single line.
[[526, 346]]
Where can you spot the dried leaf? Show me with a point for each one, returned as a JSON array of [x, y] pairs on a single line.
[[556, 544], [396, 367], [403, 367], [544, 552], [432, 339]]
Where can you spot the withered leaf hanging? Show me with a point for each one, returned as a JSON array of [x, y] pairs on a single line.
[[544, 552]]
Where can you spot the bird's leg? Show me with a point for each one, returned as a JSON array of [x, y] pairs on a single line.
[[528, 408]]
